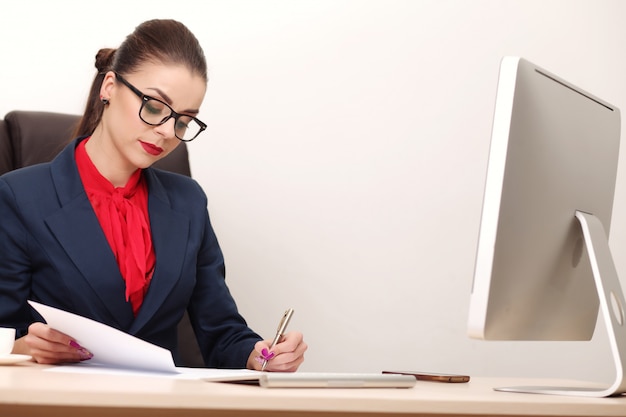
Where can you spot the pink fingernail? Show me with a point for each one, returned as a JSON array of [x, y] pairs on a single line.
[[259, 359], [267, 355], [85, 355], [75, 345]]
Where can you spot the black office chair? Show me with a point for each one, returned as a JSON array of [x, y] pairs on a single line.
[[31, 137]]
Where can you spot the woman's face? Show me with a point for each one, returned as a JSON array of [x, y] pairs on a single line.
[[124, 139]]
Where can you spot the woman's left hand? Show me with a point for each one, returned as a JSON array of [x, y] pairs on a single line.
[[285, 356]]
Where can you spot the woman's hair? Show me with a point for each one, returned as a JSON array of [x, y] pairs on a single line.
[[154, 41]]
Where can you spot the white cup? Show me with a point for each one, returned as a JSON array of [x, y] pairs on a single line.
[[7, 339]]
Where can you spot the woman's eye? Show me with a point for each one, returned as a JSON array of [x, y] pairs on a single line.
[[180, 125], [153, 107]]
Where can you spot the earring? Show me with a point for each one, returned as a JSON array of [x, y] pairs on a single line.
[[104, 101]]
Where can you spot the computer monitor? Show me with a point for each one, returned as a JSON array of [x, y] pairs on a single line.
[[543, 266]]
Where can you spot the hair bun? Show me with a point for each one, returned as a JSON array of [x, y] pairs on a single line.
[[104, 59]]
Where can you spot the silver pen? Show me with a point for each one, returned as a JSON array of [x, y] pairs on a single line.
[[282, 326]]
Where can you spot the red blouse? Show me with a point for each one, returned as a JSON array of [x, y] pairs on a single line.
[[123, 216]]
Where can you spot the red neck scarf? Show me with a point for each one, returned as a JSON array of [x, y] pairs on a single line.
[[123, 216]]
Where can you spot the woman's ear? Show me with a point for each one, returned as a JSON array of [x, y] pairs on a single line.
[[107, 87]]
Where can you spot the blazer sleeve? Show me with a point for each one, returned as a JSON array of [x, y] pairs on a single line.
[[14, 264], [223, 335]]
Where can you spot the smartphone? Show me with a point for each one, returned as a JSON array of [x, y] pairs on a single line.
[[429, 376]]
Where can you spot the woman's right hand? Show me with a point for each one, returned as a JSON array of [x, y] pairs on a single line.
[[49, 346]]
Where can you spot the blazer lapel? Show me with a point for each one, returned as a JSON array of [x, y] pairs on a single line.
[[86, 245], [170, 232]]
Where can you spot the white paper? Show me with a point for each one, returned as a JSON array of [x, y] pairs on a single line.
[[110, 347], [206, 374]]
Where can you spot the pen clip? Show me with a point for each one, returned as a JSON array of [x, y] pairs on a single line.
[[282, 326]]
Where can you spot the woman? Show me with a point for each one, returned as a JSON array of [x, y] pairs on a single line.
[[99, 233]]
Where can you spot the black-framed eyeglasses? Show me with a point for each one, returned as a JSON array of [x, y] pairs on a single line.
[[156, 112]]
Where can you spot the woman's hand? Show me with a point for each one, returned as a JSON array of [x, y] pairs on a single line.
[[49, 346], [286, 356]]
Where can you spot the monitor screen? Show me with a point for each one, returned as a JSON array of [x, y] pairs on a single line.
[[553, 159]]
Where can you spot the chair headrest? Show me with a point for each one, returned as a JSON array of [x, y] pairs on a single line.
[[38, 136]]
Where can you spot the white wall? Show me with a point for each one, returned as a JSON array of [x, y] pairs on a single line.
[[346, 154]]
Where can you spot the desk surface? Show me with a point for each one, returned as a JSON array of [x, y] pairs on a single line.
[[28, 390]]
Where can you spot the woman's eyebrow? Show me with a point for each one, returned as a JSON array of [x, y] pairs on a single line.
[[168, 100]]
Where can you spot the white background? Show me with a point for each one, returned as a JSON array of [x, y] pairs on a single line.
[[346, 153]]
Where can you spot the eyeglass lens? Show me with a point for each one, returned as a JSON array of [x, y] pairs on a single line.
[[155, 112]]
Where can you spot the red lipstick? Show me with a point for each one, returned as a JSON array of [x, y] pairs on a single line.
[[151, 149]]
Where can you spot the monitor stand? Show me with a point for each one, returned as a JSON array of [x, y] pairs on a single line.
[[612, 306]]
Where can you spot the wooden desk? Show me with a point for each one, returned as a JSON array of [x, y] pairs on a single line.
[[27, 390]]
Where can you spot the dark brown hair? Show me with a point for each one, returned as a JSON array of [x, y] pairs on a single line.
[[155, 41]]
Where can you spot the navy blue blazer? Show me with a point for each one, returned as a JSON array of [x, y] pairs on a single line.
[[53, 251]]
